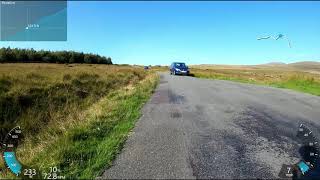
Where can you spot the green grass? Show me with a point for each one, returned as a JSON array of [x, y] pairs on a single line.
[[301, 85], [295, 80], [73, 117], [87, 150], [222, 77]]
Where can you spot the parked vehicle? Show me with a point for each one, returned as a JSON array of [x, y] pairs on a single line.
[[179, 68]]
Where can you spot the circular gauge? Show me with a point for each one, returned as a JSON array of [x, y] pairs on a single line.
[[8, 150], [308, 166], [9, 145]]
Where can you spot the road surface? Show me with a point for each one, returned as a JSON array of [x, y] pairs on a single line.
[[200, 128]]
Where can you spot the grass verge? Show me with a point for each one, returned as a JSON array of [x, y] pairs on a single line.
[[88, 149], [81, 134], [295, 80]]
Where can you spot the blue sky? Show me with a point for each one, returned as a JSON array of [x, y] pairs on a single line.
[[194, 32]]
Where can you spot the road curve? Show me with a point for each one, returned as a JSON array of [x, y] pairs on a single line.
[[200, 128]]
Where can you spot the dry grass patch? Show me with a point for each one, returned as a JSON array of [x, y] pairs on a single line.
[[64, 110], [284, 78]]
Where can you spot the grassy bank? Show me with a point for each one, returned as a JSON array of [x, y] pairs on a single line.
[[73, 117], [299, 81]]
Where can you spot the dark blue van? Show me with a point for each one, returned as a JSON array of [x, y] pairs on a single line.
[[179, 68]]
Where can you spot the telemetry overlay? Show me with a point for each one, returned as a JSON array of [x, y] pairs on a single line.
[[33, 20]]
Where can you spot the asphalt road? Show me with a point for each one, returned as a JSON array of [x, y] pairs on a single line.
[[199, 128]]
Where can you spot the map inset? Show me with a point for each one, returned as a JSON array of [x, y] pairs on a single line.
[[33, 20]]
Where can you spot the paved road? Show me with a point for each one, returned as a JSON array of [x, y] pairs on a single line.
[[199, 128]]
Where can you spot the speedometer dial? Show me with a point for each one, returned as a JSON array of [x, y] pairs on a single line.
[[9, 146], [309, 149], [308, 166]]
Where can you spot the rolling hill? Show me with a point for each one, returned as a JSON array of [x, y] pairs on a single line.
[[304, 66]]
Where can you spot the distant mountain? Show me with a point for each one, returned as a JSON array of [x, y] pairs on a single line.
[[310, 66], [305, 63], [275, 63], [272, 64], [305, 66]]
